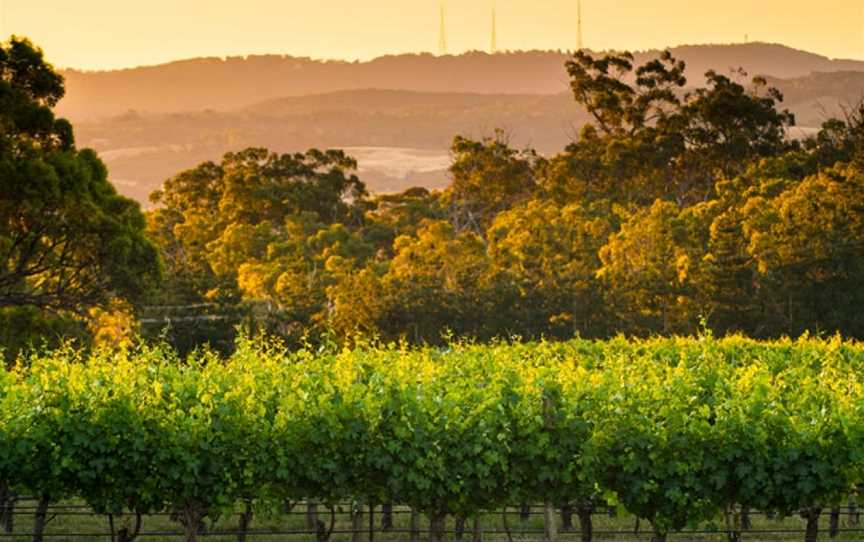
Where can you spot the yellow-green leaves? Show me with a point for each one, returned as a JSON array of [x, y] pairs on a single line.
[[674, 430]]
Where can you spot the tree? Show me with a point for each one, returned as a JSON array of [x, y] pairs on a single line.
[[549, 256], [806, 245], [650, 139], [619, 108], [68, 241], [435, 284], [356, 299], [488, 177], [207, 212], [294, 278], [725, 128], [393, 215], [648, 268], [625, 152], [238, 232]]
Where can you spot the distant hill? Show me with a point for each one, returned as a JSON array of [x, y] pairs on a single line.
[[400, 137], [150, 123], [819, 96], [237, 82]]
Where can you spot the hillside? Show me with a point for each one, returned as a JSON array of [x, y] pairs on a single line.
[[821, 95], [400, 137], [236, 82]]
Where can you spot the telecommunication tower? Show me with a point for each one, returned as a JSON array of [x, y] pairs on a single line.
[[442, 34], [579, 43], [494, 48]]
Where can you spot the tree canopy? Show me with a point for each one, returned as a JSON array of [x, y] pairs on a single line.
[[679, 206], [68, 241]]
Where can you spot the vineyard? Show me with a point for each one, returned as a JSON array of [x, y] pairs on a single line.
[[679, 433]]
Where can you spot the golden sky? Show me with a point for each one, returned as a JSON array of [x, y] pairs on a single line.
[[101, 34]]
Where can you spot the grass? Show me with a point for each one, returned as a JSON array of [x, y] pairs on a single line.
[[72, 521]]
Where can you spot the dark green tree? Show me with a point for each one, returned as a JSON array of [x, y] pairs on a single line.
[[652, 139], [68, 241]]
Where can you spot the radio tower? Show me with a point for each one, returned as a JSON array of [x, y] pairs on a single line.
[[494, 48], [579, 45], [442, 35]]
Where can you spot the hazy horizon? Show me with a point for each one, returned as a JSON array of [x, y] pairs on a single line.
[[103, 35], [596, 51]]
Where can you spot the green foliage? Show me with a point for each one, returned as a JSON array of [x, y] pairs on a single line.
[[545, 257], [677, 205], [651, 139], [259, 226], [68, 241], [674, 430], [23, 329], [488, 177], [647, 267]]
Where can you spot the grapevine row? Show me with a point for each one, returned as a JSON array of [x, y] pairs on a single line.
[[674, 431]]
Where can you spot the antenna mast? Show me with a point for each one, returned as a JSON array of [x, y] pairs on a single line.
[[442, 36], [579, 44], [494, 48]]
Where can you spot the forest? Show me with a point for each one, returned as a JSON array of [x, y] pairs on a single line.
[[678, 208]]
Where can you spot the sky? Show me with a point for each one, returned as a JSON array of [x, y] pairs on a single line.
[[109, 34]]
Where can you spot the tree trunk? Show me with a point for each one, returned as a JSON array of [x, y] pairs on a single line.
[[459, 529], [415, 526], [478, 530], [40, 519], [371, 523], [243, 524], [311, 516], [734, 519], [124, 534], [658, 535], [505, 522], [9, 520], [567, 518], [357, 524], [192, 520], [7, 506], [746, 522], [812, 517], [586, 524], [323, 533], [437, 527], [834, 525], [550, 527], [387, 517], [4, 501], [854, 516]]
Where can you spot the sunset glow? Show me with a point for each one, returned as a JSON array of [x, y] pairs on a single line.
[[106, 34]]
